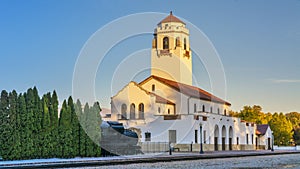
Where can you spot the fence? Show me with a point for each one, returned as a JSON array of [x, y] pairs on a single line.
[[286, 147], [154, 147]]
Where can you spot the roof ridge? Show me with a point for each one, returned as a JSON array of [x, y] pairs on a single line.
[[171, 18], [180, 86]]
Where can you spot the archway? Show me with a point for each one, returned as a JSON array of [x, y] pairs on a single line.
[[132, 111], [216, 138], [141, 111], [123, 111], [223, 137], [230, 137], [166, 43]]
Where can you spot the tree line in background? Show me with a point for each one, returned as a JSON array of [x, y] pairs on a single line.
[[285, 127], [33, 127]]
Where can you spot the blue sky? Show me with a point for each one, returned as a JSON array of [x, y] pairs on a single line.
[[258, 43]]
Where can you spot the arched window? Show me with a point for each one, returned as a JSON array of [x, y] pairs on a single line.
[[132, 111], [177, 43], [184, 43], [168, 111], [211, 110], [225, 112], [203, 108], [218, 111], [153, 87], [166, 43], [141, 111], [158, 109], [195, 107], [123, 111]]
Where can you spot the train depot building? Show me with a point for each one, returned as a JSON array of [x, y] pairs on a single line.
[[166, 107]]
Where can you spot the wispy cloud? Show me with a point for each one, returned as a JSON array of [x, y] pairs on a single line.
[[285, 80]]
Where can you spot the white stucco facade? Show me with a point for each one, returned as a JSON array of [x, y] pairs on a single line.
[[165, 107]]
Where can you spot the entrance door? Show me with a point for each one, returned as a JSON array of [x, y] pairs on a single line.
[[230, 143], [256, 143], [172, 136], [216, 143], [269, 143], [223, 143]]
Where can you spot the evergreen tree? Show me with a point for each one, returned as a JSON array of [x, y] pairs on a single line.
[[14, 126], [46, 147], [22, 130], [37, 118], [29, 149], [85, 141], [97, 123], [31, 127], [74, 127], [54, 124], [65, 131], [93, 122], [4, 126], [81, 133], [84, 125]]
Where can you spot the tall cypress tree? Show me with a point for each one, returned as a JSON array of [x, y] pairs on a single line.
[[74, 127], [14, 128], [81, 133], [93, 122], [46, 147], [54, 124], [37, 118], [31, 127], [29, 149], [65, 131], [4, 126], [22, 130], [84, 125], [96, 124]]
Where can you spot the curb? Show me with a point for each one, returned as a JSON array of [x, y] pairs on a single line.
[[153, 159]]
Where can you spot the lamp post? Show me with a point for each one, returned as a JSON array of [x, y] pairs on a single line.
[[272, 149], [201, 146]]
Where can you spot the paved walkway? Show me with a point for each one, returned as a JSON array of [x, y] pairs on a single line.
[[148, 158]]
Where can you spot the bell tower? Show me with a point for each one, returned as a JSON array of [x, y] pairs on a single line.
[[171, 57]]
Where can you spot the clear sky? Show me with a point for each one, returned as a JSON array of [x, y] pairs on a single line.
[[258, 43]]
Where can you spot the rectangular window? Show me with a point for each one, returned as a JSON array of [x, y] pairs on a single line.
[[196, 136], [172, 136], [147, 136], [237, 141], [153, 87], [195, 107], [252, 138], [247, 137], [204, 136]]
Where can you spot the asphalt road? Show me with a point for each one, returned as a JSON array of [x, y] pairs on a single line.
[[289, 161]]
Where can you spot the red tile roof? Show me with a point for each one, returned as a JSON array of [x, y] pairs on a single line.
[[188, 90], [262, 129], [171, 18]]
